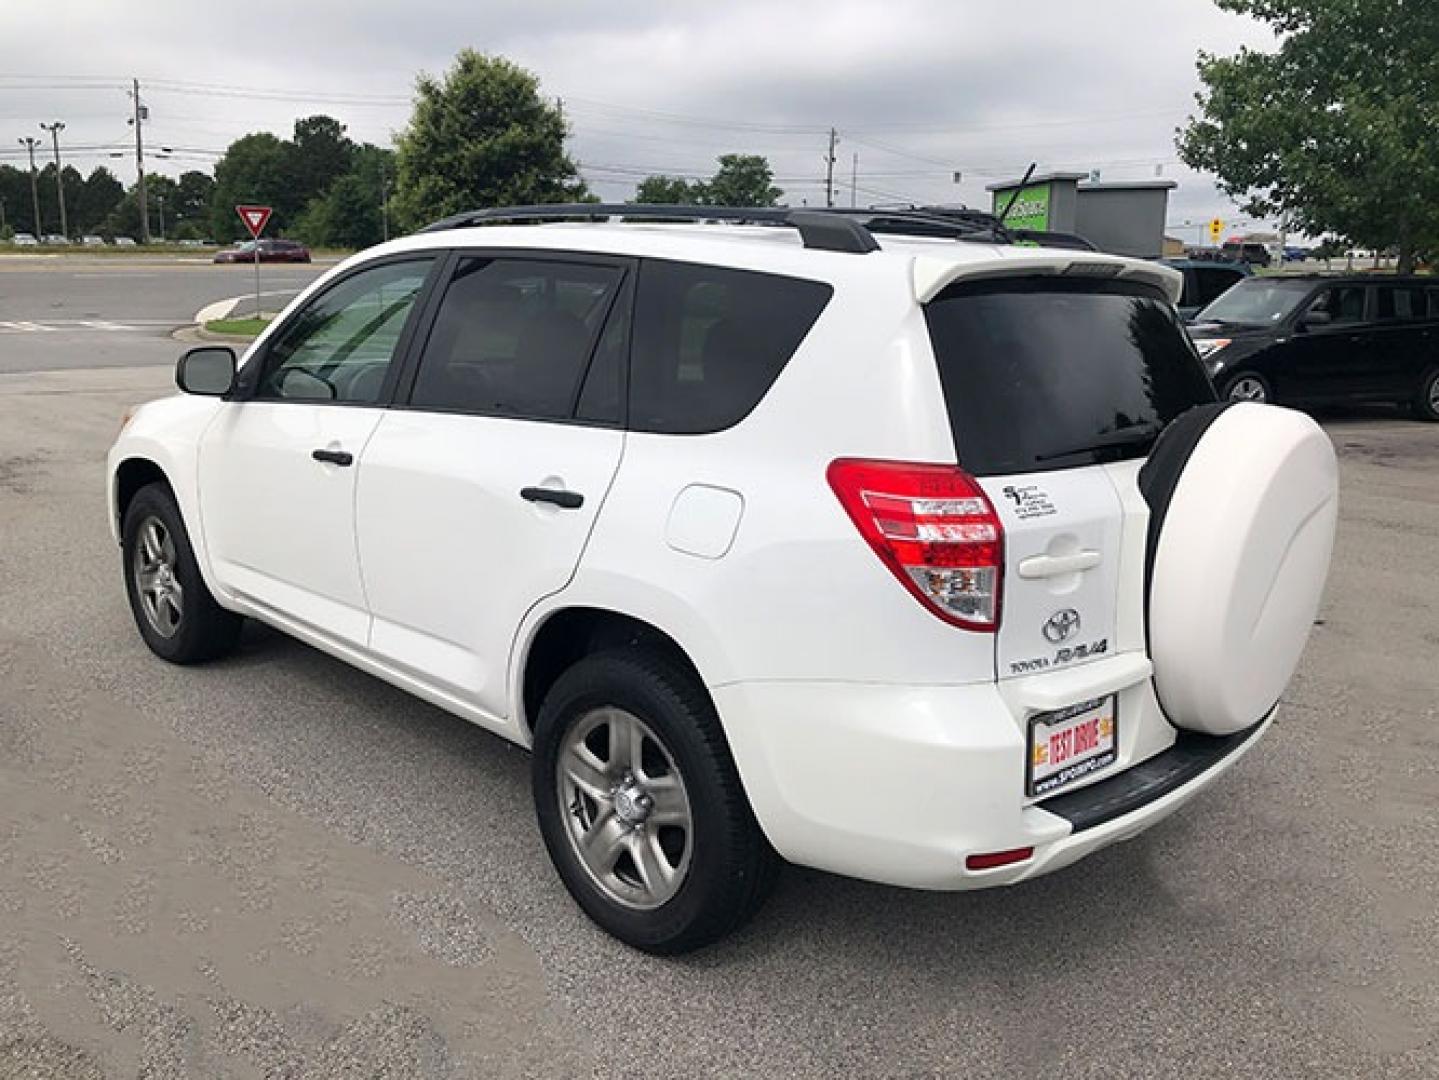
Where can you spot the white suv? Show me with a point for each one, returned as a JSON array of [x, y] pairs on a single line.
[[846, 539]]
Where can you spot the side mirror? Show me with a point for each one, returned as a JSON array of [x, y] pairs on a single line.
[[208, 371], [1313, 319]]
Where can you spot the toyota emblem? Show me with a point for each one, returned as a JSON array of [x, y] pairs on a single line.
[[1061, 626]]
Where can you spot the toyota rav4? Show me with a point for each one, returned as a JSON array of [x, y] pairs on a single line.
[[862, 541]]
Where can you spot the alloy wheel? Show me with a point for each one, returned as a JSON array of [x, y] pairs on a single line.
[[1247, 388], [154, 565], [626, 811]]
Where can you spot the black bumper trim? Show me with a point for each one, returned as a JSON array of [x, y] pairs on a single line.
[[1191, 756]]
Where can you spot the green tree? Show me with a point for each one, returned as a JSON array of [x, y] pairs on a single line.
[[194, 192], [318, 154], [346, 216], [99, 197], [74, 185], [481, 135], [743, 180], [253, 170], [15, 193], [670, 189], [1335, 129], [163, 196]]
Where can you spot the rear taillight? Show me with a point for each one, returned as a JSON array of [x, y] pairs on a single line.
[[934, 528]]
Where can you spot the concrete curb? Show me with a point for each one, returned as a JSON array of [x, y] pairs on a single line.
[[220, 309], [190, 335]]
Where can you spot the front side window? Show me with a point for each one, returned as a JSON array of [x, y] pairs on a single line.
[[1343, 304], [710, 341], [340, 347], [513, 337]]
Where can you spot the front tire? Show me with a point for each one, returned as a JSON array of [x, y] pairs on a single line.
[[1426, 401], [641, 806], [1247, 386], [174, 610]]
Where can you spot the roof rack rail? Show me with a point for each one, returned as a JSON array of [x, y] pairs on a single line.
[[844, 229], [818, 229]]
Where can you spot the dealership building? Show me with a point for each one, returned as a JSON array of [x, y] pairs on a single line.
[[1125, 217]]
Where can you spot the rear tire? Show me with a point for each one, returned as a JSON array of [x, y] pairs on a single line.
[[641, 806], [1247, 386], [174, 610], [1426, 400]]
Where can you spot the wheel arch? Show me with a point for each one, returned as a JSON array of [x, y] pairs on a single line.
[[131, 475], [567, 634]]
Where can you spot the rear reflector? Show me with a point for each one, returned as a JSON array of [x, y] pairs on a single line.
[[934, 528], [991, 859]]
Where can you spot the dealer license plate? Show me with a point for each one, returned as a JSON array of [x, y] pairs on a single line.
[[1068, 744]]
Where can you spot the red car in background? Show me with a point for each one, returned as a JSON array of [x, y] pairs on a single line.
[[271, 251]]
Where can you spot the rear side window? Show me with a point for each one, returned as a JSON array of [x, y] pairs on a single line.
[[1045, 373], [1399, 303], [513, 337], [709, 342]]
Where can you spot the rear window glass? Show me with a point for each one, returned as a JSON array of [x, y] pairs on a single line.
[[709, 342], [1045, 373]]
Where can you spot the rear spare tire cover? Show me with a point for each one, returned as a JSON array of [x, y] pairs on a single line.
[[1238, 559]]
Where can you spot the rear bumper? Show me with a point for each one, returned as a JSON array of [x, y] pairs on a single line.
[[900, 784]]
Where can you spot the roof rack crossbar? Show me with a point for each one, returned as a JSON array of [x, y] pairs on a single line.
[[818, 229]]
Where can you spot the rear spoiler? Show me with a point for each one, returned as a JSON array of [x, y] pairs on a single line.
[[931, 275]]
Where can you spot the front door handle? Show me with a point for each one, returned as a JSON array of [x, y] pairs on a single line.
[[333, 457], [565, 500]]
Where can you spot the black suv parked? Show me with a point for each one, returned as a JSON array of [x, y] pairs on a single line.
[[1310, 340]]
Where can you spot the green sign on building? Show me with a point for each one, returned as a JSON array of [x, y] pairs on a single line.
[[1030, 210]]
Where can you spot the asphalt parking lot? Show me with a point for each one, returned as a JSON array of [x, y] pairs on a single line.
[[278, 866]]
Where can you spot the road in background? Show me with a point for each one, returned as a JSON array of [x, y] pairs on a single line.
[[277, 865], [67, 312]]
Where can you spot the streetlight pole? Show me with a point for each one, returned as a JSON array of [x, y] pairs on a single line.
[[29, 142], [54, 130]]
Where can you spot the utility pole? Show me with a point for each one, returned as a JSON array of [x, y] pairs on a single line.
[[54, 130], [29, 142], [854, 181], [829, 168], [160, 200], [140, 114], [384, 202]]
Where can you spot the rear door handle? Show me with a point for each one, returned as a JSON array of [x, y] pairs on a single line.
[[565, 500], [333, 457], [1043, 566]]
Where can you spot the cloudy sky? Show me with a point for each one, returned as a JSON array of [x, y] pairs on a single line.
[[918, 89]]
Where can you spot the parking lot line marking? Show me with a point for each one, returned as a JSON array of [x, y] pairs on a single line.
[[50, 326]]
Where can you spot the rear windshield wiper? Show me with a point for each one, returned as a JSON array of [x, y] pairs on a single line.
[[1135, 435]]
